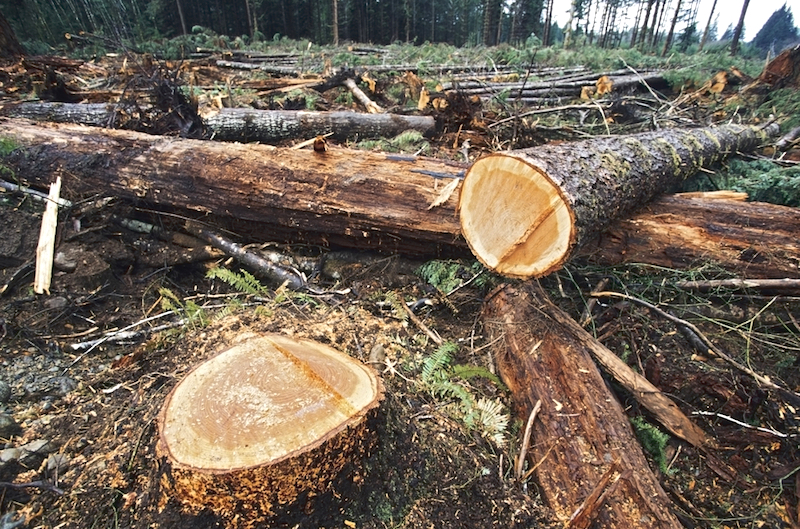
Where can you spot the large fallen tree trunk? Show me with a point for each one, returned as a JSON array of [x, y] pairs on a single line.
[[750, 239], [239, 124], [524, 212], [363, 200], [582, 432], [341, 196]]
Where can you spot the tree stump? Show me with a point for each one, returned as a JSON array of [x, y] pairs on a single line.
[[263, 424], [523, 213]]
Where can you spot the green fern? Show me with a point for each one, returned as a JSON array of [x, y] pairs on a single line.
[[194, 314], [243, 281], [653, 440], [442, 381], [468, 372], [438, 361], [447, 276], [396, 303]]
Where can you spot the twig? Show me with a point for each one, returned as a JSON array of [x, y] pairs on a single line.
[[702, 339], [293, 279], [603, 115], [789, 286], [740, 423], [37, 484], [587, 510], [38, 195], [544, 111], [110, 336], [526, 439], [586, 317], [424, 328]]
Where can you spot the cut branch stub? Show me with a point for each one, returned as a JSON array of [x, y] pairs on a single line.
[[524, 212], [249, 431]]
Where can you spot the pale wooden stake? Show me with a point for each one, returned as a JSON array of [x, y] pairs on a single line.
[[47, 241]]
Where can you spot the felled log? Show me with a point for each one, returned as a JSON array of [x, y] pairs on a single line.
[[368, 200], [582, 430], [340, 196], [571, 85], [240, 124], [750, 239], [523, 213], [250, 431], [237, 124]]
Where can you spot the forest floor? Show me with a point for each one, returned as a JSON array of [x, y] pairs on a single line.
[[79, 417]]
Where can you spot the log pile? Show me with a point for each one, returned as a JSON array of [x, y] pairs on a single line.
[[523, 213]]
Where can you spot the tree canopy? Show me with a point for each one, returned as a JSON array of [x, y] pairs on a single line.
[[778, 32]]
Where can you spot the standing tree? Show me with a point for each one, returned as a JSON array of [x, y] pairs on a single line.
[[335, 22], [10, 48], [568, 32], [548, 19], [777, 32], [737, 33], [643, 31], [708, 26]]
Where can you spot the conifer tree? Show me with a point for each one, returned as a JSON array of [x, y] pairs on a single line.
[[777, 32]]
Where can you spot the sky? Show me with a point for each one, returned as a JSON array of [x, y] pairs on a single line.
[[728, 12]]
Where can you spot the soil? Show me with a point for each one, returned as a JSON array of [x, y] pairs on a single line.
[[88, 411]]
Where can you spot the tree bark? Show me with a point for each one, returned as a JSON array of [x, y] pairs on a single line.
[[752, 240], [242, 124], [524, 212], [339, 197], [708, 26], [582, 430], [737, 33], [671, 32], [251, 430]]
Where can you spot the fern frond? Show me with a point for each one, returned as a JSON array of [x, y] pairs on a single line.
[[169, 301], [492, 420], [243, 281], [444, 388], [438, 360], [467, 372]]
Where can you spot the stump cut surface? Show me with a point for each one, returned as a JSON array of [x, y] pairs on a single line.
[[263, 401]]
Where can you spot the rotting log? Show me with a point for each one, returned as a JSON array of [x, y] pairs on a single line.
[[264, 424], [750, 239], [240, 124], [523, 213], [342, 197], [582, 430]]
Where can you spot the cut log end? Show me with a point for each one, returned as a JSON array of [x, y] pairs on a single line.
[[515, 219], [263, 422]]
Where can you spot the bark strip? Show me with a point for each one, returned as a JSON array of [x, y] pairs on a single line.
[[582, 430]]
